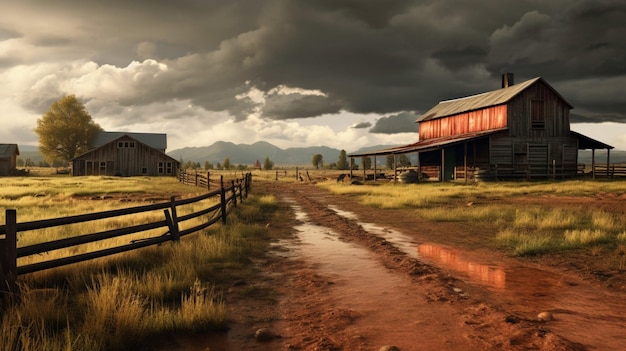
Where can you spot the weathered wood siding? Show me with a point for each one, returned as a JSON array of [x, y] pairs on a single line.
[[535, 155], [125, 157], [494, 117], [555, 112]]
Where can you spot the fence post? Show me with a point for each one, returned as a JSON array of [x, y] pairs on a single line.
[[173, 220], [223, 198], [8, 257], [240, 191], [208, 181], [232, 184]]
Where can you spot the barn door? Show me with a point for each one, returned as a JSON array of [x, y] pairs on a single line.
[[538, 162], [450, 163]]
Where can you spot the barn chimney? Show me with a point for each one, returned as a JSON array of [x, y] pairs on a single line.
[[507, 80]]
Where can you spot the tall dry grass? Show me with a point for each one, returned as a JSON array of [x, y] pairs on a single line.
[[121, 302]]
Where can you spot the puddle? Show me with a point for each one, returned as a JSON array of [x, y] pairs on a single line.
[[348, 264], [384, 304], [401, 241], [581, 312], [490, 275]]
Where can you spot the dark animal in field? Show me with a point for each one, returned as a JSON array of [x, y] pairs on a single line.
[[341, 177]]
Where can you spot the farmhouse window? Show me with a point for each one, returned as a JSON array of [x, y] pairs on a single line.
[[537, 115]]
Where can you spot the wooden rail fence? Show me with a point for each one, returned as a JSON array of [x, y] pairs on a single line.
[[9, 252]]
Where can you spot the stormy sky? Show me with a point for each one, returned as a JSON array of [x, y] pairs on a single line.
[[341, 73]]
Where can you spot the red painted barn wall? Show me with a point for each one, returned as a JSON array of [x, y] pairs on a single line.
[[464, 123]]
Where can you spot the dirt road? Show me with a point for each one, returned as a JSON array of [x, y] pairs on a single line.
[[355, 278]]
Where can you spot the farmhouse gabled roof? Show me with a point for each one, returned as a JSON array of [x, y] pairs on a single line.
[[7, 150], [154, 140], [119, 137], [476, 102]]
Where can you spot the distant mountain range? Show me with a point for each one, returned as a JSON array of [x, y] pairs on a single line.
[[248, 154]]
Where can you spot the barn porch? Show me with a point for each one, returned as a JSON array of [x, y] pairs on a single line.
[[483, 156]]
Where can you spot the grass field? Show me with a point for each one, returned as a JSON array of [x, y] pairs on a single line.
[[120, 302], [526, 230]]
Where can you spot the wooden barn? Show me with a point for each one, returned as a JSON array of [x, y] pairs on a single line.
[[8, 159], [518, 131], [126, 154]]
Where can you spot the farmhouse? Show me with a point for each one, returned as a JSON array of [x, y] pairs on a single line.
[[126, 154], [8, 159], [518, 131]]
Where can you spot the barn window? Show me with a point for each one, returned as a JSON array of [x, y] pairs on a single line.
[[103, 167], [168, 168], [144, 170], [160, 167], [132, 144], [537, 115], [120, 144]]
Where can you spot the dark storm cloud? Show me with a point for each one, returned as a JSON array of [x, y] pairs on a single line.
[[367, 56], [285, 106], [400, 123], [361, 125]]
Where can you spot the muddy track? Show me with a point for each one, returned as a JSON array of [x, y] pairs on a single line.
[[446, 313], [342, 281]]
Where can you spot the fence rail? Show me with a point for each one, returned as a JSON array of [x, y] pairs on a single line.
[[9, 252]]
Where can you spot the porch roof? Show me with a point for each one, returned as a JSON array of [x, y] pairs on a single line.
[[430, 144]]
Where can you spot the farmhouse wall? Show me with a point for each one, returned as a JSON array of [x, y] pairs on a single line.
[[124, 157]]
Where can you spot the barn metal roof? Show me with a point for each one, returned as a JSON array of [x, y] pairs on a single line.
[[154, 140], [480, 101], [7, 150]]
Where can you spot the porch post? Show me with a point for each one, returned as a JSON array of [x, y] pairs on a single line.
[[351, 165], [608, 163], [374, 168], [443, 165], [465, 160], [593, 163], [395, 168]]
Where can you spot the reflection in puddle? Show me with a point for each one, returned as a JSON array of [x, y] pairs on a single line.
[[360, 283], [486, 274], [401, 241]]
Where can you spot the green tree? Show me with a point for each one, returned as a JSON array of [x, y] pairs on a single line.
[[317, 161], [342, 163], [207, 165], [65, 130], [367, 162], [403, 160], [268, 164], [390, 162], [226, 163], [218, 166]]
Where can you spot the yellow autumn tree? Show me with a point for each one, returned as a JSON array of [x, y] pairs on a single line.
[[65, 130]]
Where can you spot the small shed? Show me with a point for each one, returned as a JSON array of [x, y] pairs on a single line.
[[517, 131], [8, 159], [126, 154]]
